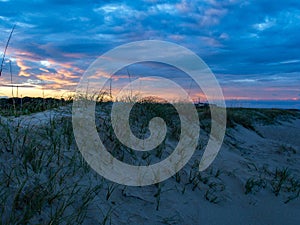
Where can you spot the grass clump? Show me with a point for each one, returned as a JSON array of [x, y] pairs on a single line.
[[285, 149], [276, 116], [253, 185], [281, 182], [45, 181], [243, 117]]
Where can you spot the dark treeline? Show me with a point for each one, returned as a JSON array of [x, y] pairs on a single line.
[[28, 105]]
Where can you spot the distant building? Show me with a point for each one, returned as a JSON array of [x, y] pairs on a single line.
[[201, 104]]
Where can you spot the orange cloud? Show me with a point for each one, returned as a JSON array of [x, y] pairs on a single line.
[[44, 70], [23, 68], [62, 79]]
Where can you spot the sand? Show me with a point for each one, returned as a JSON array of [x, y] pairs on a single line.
[[216, 196]]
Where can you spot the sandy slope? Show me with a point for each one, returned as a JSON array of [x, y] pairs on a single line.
[[217, 196], [247, 159]]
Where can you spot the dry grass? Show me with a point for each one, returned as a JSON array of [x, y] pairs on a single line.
[[44, 180]]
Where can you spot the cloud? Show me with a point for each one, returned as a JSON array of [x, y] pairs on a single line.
[[56, 40]]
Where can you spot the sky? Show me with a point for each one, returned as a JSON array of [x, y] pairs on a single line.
[[252, 47]]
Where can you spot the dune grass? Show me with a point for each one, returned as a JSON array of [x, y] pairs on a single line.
[[28, 105], [43, 183], [44, 179]]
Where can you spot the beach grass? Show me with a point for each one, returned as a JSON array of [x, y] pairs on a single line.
[[45, 180]]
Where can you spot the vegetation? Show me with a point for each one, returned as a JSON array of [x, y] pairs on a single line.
[[247, 117], [281, 182], [47, 181], [28, 105], [39, 185]]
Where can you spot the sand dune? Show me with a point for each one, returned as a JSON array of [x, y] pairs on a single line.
[[255, 179]]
